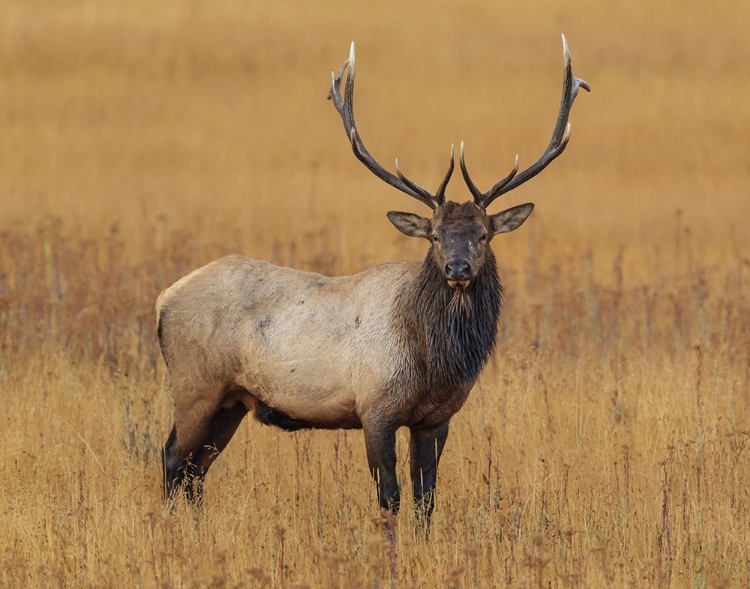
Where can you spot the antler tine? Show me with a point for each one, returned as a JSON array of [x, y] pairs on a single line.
[[440, 194], [409, 183], [345, 107], [475, 192], [558, 143]]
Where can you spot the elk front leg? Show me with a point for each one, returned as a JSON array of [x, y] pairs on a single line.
[[425, 448], [380, 441]]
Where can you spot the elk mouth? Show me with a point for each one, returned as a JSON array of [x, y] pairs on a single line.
[[462, 284]]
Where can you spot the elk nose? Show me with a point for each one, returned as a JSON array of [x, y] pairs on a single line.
[[458, 270]]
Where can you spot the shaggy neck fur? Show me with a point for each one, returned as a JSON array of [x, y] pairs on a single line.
[[452, 331]]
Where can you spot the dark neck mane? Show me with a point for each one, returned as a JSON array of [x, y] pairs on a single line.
[[450, 335]]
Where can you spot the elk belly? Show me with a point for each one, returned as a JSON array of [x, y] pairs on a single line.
[[292, 400]]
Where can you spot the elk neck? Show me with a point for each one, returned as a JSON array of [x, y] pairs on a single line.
[[449, 334]]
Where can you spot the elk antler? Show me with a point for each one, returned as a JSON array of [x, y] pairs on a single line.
[[345, 108], [557, 144]]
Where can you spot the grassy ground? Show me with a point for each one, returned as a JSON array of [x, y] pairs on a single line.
[[606, 444]]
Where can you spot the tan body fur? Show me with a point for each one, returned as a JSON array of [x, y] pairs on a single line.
[[315, 348]]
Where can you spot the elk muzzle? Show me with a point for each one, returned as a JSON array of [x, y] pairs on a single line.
[[458, 273]]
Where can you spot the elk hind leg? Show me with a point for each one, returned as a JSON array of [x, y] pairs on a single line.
[[192, 422], [223, 426], [186, 464], [172, 465], [179, 468]]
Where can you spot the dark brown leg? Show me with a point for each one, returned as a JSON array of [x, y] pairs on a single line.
[[189, 470], [425, 448], [172, 465], [224, 424], [380, 441]]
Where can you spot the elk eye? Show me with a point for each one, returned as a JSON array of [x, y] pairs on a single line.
[[435, 239], [483, 238]]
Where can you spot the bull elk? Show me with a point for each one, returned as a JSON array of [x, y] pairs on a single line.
[[399, 344]]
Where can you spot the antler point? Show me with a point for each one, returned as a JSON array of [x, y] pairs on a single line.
[[566, 50]]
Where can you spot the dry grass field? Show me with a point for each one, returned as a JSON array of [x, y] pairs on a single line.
[[607, 443]]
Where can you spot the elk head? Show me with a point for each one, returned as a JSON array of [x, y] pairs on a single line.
[[459, 233]]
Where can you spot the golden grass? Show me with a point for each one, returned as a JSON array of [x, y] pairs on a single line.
[[606, 443]]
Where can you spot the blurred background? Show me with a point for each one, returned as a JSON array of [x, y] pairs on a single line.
[[213, 116]]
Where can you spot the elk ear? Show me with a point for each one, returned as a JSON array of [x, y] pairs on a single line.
[[411, 224], [510, 219]]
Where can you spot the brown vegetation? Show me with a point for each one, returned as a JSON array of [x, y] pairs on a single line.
[[607, 442]]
